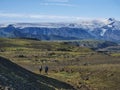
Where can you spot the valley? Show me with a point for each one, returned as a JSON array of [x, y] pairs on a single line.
[[77, 64]]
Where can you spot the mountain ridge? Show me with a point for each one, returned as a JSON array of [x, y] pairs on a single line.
[[99, 30]]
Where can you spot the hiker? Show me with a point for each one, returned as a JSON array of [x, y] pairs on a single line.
[[40, 69], [46, 69]]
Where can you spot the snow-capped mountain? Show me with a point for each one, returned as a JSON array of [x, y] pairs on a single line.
[[108, 29]]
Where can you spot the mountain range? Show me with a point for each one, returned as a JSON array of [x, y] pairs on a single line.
[[107, 29]]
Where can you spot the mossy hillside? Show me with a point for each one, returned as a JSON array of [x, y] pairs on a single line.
[[18, 78], [79, 66]]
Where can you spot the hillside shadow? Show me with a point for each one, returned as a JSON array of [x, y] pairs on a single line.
[[55, 83], [19, 78]]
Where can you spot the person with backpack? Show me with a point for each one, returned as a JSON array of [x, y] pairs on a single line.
[[40, 69], [46, 69]]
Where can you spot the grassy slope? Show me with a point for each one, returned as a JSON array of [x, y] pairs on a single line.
[[19, 78], [78, 66]]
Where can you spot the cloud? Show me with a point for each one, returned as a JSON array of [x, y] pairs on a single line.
[[39, 17], [60, 1], [57, 4], [49, 17], [12, 15], [34, 16]]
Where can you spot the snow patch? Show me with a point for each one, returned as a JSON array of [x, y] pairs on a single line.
[[103, 32]]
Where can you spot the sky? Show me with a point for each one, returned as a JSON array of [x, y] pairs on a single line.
[[57, 10]]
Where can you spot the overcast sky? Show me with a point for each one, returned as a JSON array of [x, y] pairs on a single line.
[[57, 10]]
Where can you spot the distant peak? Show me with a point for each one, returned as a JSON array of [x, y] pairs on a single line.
[[10, 26], [111, 19]]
